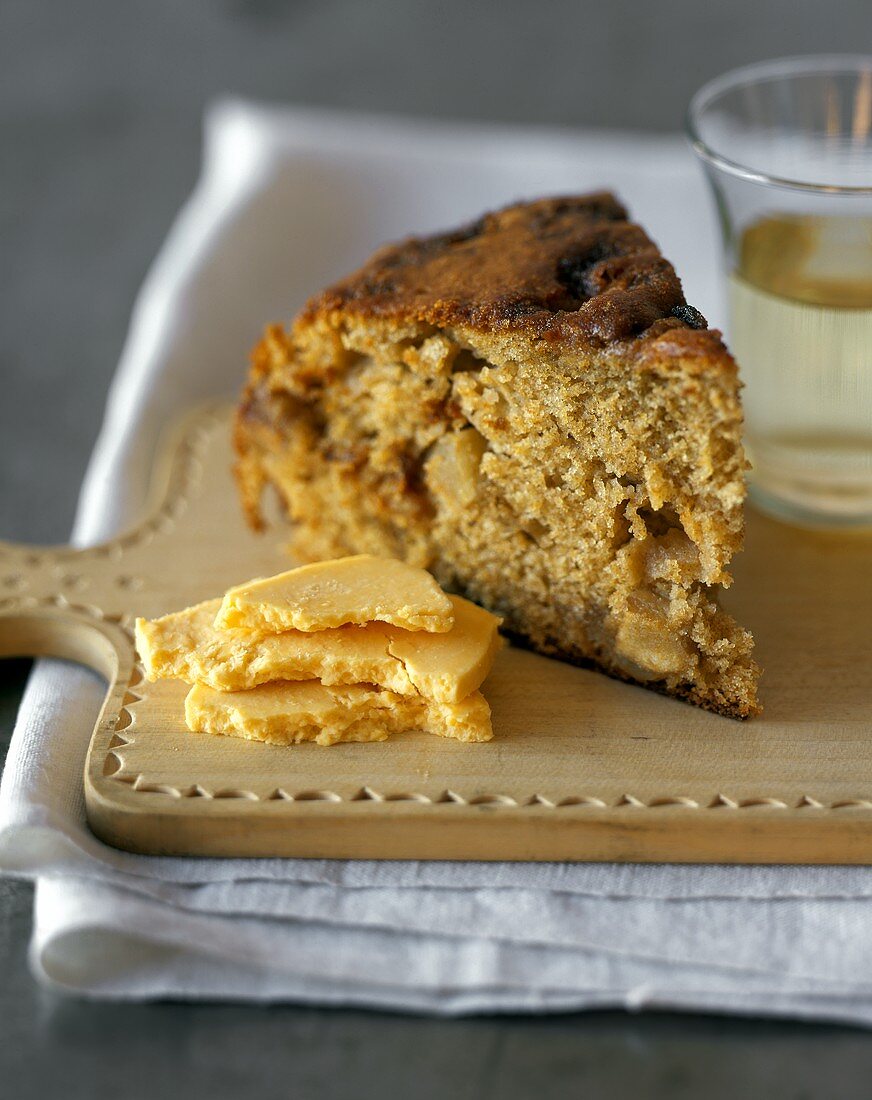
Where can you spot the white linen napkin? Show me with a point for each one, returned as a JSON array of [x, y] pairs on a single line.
[[289, 199]]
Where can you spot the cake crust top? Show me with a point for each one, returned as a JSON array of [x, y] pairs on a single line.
[[571, 268]]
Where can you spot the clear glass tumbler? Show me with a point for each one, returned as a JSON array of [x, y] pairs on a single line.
[[787, 149]]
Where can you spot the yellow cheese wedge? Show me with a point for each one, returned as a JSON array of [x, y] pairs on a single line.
[[288, 713], [186, 645], [359, 589]]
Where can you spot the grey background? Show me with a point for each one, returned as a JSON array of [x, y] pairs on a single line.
[[100, 110]]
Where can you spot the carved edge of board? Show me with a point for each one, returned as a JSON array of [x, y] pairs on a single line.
[[135, 782], [130, 812]]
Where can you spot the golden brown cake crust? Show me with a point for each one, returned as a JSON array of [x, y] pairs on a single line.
[[570, 269]]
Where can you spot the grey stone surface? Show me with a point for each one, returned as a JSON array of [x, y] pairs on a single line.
[[100, 109]]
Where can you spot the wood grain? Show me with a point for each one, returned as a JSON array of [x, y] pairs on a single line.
[[581, 767]]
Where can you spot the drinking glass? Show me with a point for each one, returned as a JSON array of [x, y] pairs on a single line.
[[787, 150]]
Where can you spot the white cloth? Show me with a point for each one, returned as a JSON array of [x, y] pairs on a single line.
[[288, 200]]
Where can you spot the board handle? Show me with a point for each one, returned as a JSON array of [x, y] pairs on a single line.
[[64, 602], [78, 603], [55, 627], [97, 577], [59, 629]]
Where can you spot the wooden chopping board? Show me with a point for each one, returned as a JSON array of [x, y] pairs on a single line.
[[581, 767]]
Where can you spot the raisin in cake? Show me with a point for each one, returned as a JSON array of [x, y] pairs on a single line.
[[529, 408]]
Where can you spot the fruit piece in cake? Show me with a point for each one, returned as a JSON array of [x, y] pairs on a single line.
[[528, 408]]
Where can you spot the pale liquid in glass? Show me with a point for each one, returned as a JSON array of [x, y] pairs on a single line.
[[801, 330]]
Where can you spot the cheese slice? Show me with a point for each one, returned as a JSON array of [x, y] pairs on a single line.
[[326, 594], [447, 667], [289, 713], [186, 645]]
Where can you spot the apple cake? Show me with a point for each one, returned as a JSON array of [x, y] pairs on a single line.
[[529, 408]]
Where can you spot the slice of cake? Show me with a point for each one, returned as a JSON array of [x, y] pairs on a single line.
[[529, 408]]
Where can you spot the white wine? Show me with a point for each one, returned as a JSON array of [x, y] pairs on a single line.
[[801, 330]]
